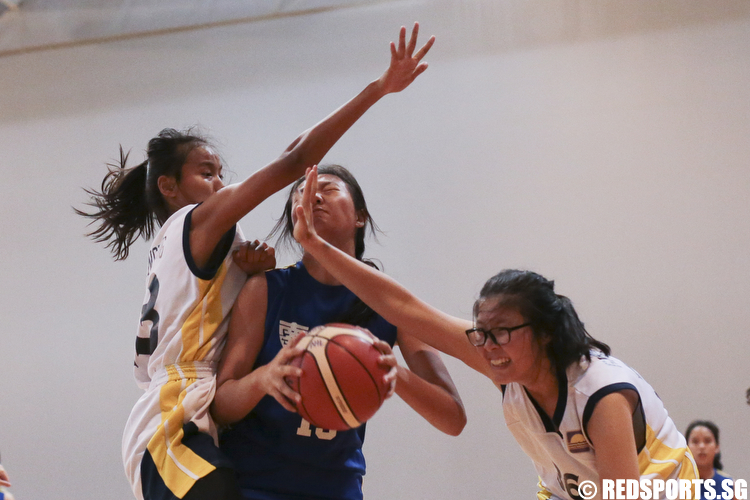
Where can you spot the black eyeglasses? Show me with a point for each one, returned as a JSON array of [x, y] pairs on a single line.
[[500, 335]]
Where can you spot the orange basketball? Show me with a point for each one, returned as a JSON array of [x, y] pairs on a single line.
[[342, 383]]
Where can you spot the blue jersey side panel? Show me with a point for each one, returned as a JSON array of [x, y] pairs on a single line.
[[273, 450]]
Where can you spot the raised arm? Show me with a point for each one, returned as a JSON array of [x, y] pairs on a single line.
[[220, 212], [383, 294]]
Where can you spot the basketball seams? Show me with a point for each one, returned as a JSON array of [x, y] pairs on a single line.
[[365, 370], [328, 393], [319, 353], [340, 387]]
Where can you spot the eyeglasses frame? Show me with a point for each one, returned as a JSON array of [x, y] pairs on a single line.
[[488, 334]]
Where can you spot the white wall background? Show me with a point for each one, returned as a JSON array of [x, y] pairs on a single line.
[[602, 143]]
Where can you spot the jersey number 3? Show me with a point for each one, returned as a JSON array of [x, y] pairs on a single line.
[[148, 345]]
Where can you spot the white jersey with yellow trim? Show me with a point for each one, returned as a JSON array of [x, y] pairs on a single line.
[[182, 330], [560, 447]]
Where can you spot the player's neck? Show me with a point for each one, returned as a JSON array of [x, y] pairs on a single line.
[[318, 272], [544, 388], [706, 471]]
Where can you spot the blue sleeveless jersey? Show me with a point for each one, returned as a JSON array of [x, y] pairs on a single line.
[[277, 454]]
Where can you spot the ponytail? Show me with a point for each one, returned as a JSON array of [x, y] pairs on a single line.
[[130, 204], [121, 207], [570, 339]]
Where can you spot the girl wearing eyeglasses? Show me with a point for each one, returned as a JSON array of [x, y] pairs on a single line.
[[578, 413]]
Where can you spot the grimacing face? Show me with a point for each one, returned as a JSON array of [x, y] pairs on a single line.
[[520, 359], [334, 215]]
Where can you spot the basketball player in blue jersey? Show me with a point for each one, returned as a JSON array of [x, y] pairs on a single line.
[[278, 455], [703, 439], [170, 446], [578, 413]]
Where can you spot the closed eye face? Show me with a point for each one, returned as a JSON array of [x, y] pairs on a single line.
[[330, 189]]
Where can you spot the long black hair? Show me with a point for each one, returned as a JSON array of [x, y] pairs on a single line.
[[551, 315], [129, 204], [284, 228], [359, 313], [714, 430]]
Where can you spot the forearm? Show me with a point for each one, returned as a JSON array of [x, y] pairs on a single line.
[[235, 201], [435, 404], [397, 304], [313, 144], [234, 399]]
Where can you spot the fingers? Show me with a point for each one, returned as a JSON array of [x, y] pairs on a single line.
[[412, 40], [425, 49], [253, 257], [276, 375], [420, 69], [304, 226], [311, 184], [401, 43], [382, 346], [296, 340], [286, 397], [390, 380], [243, 253]]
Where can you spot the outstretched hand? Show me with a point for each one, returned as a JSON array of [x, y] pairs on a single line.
[[405, 66], [304, 228]]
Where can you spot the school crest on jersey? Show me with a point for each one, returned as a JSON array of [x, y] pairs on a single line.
[[576, 442], [287, 331]]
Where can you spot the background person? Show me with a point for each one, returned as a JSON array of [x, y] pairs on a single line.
[[703, 439]]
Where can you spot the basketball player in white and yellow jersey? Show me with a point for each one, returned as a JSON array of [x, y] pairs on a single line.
[[169, 447], [560, 447], [168, 441], [578, 413]]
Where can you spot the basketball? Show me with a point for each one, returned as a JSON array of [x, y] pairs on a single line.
[[342, 383]]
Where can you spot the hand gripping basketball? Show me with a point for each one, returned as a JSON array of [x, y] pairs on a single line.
[[343, 382]]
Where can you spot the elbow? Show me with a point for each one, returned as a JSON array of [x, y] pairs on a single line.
[[223, 412], [219, 416], [456, 422], [457, 425]]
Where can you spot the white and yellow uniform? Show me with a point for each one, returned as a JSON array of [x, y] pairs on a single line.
[[560, 447], [182, 330]]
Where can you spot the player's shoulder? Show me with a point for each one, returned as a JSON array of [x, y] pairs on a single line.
[[588, 376]]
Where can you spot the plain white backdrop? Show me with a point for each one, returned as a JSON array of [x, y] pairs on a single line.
[[601, 143]]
